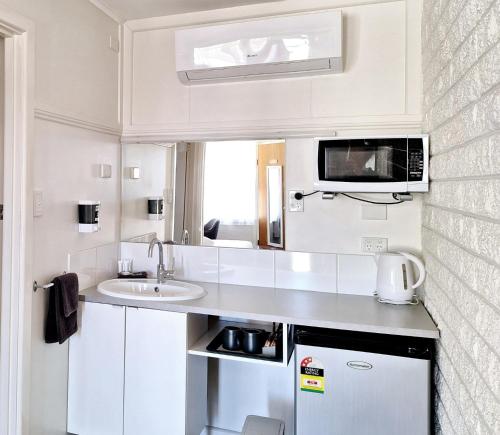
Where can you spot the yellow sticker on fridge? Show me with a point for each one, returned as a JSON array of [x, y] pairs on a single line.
[[312, 375]]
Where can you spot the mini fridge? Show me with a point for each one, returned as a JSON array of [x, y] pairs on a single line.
[[350, 383]]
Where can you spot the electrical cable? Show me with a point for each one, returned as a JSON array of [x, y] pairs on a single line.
[[371, 202], [299, 196]]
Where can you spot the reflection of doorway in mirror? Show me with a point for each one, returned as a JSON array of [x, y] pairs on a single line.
[[270, 154]]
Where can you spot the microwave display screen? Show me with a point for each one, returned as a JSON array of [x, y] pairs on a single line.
[[363, 160]]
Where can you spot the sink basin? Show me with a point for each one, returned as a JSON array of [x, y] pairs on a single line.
[[150, 290]]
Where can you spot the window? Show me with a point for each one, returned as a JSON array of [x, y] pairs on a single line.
[[230, 182]]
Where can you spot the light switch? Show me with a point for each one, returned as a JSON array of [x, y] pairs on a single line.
[[114, 44], [37, 203], [104, 171], [135, 173]]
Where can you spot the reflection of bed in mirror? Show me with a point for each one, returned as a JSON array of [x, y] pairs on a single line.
[[226, 193], [227, 243]]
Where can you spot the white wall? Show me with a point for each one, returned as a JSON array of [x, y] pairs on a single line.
[[77, 83], [76, 72], [64, 161], [337, 225], [461, 220], [380, 87]]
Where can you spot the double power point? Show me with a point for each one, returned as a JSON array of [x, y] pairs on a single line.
[[373, 244]]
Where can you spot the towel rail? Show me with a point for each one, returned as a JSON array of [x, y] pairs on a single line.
[[37, 286]]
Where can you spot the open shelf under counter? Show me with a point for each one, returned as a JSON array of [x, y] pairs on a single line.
[[200, 347]]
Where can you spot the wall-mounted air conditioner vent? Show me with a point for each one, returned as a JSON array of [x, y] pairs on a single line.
[[291, 45]]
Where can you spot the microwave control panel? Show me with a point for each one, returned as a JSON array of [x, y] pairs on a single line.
[[415, 159]]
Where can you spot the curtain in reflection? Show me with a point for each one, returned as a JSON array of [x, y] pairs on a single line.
[[195, 164]]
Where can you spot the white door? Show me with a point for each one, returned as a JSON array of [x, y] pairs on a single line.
[[96, 372], [155, 372]]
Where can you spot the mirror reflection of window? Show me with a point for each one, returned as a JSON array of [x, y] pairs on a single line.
[[229, 194], [214, 193]]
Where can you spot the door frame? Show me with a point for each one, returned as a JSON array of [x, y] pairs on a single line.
[[15, 315]]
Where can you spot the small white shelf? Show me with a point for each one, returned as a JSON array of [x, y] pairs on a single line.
[[200, 347]]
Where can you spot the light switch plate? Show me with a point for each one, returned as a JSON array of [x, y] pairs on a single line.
[[37, 203], [114, 44], [373, 244], [135, 173], [105, 171], [295, 205]]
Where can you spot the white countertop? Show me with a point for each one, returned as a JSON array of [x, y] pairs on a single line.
[[325, 310]]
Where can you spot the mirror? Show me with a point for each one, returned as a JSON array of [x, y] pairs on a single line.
[[225, 193]]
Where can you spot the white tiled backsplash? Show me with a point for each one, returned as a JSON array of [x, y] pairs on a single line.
[[331, 273], [94, 265]]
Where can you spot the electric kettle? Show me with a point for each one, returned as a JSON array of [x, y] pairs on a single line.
[[395, 281]]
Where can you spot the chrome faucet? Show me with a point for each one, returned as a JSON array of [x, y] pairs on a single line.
[[162, 274]]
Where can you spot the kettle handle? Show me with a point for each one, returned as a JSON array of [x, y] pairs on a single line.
[[420, 266]]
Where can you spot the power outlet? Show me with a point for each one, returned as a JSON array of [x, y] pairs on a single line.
[[293, 203], [373, 244]]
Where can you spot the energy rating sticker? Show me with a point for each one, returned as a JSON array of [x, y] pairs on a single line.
[[312, 375]]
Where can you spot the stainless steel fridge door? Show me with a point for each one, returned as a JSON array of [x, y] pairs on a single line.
[[364, 394]]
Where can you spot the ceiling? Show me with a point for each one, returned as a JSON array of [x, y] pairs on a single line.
[[132, 9]]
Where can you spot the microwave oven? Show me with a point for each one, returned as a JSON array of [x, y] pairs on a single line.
[[392, 164]]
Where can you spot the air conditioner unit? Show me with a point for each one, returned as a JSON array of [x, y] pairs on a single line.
[[282, 46]]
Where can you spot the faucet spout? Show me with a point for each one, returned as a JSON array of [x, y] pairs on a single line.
[[152, 244], [161, 273]]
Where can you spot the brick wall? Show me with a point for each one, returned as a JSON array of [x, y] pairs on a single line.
[[461, 217]]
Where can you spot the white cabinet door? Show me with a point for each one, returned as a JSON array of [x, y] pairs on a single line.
[[96, 372], [155, 372]]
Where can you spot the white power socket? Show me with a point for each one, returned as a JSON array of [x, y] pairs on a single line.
[[373, 244], [295, 204]]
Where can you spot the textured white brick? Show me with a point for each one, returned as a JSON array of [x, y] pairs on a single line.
[[472, 352], [473, 390], [477, 119], [456, 23], [482, 39], [442, 29], [461, 216], [482, 77], [474, 403], [479, 275], [484, 319], [479, 236], [479, 158], [480, 197]]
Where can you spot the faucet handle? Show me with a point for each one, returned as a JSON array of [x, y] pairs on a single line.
[[170, 263]]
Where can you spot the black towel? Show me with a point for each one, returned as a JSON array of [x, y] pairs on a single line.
[[62, 314]]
